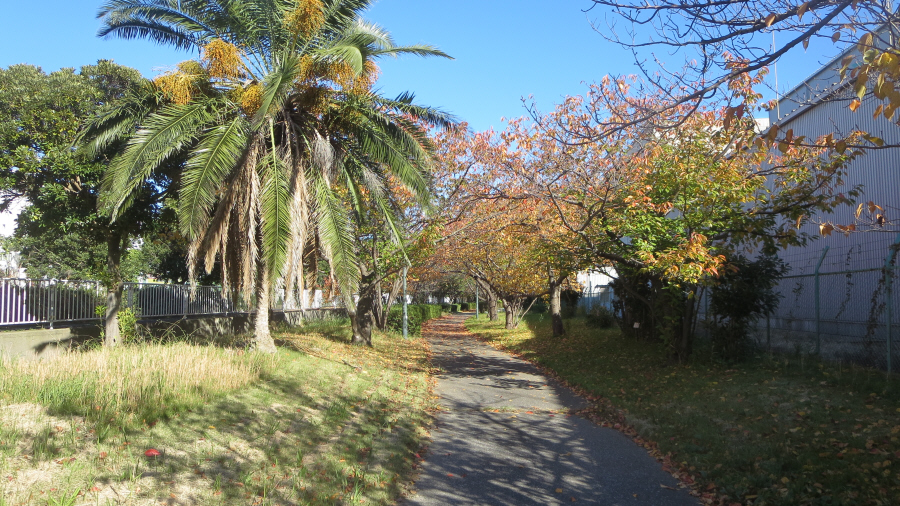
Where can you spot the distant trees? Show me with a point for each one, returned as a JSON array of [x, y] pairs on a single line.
[[588, 185]]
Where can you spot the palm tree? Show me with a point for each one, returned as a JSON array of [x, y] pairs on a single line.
[[281, 128]]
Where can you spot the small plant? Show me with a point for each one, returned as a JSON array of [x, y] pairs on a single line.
[[600, 316], [66, 499], [128, 327]]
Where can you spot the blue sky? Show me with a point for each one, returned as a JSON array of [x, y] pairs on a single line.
[[504, 50]]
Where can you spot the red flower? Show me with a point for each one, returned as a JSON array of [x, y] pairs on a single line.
[[152, 452]]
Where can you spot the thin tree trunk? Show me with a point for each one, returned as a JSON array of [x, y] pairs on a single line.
[[381, 322], [686, 339], [114, 290], [262, 339]]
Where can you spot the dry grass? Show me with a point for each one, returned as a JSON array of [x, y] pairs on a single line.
[[321, 422], [130, 385]]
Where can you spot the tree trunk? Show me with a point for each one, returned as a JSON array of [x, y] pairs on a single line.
[[686, 337], [513, 311], [491, 299], [555, 307], [262, 339], [382, 319], [362, 319], [113, 291]]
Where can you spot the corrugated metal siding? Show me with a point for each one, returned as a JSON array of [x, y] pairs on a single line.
[[878, 172], [853, 324]]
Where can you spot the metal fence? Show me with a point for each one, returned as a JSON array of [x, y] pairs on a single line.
[[835, 311], [599, 295], [39, 301], [48, 302]]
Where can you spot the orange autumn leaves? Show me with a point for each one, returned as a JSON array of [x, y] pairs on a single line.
[[586, 185]]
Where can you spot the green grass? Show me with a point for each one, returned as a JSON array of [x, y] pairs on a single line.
[[321, 422], [773, 430]]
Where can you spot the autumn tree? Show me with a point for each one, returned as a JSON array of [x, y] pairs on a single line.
[[699, 194], [710, 36], [665, 207]]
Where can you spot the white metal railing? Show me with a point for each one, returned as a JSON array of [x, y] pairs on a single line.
[[32, 301], [44, 301]]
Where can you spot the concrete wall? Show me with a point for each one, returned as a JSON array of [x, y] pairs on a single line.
[[43, 343], [40, 343]]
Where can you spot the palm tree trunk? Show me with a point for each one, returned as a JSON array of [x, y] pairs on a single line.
[[262, 338]]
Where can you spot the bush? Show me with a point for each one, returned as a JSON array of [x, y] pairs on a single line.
[[600, 316], [738, 300], [464, 306], [417, 314]]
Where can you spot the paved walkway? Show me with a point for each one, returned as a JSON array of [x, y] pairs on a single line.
[[530, 451]]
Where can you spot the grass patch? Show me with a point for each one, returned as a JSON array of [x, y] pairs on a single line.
[[321, 422], [773, 430]]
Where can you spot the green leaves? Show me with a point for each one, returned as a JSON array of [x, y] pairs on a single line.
[[318, 144], [335, 233], [206, 171], [275, 204], [164, 134]]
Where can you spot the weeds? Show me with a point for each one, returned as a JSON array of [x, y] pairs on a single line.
[[235, 429]]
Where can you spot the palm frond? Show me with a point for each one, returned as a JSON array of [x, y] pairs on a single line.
[[423, 50], [210, 163], [275, 206], [336, 236], [277, 86], [405, 105], [163, 134], [118, 121], [162, 21]]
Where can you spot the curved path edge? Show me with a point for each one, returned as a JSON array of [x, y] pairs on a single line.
[[506, 434]]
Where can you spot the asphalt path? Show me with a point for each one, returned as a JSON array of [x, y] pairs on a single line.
[[505, 436]]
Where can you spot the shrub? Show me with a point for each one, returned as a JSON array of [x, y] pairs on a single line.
[[464, 306], [600, 316], [738, 300], [417, 314]]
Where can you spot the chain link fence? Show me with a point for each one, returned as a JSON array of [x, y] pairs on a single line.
[[836, 311]]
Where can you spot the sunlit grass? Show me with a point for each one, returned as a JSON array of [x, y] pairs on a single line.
[[775, 430], [321, 422], [130, 385]]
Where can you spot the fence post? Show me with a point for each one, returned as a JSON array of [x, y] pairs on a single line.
[[889, 300], [818, 315], [51, 301]]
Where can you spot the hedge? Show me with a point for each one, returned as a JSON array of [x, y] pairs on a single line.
[[450, 308], [465, 306], [417, 314]]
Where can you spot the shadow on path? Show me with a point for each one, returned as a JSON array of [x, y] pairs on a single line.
[[504, 437]]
